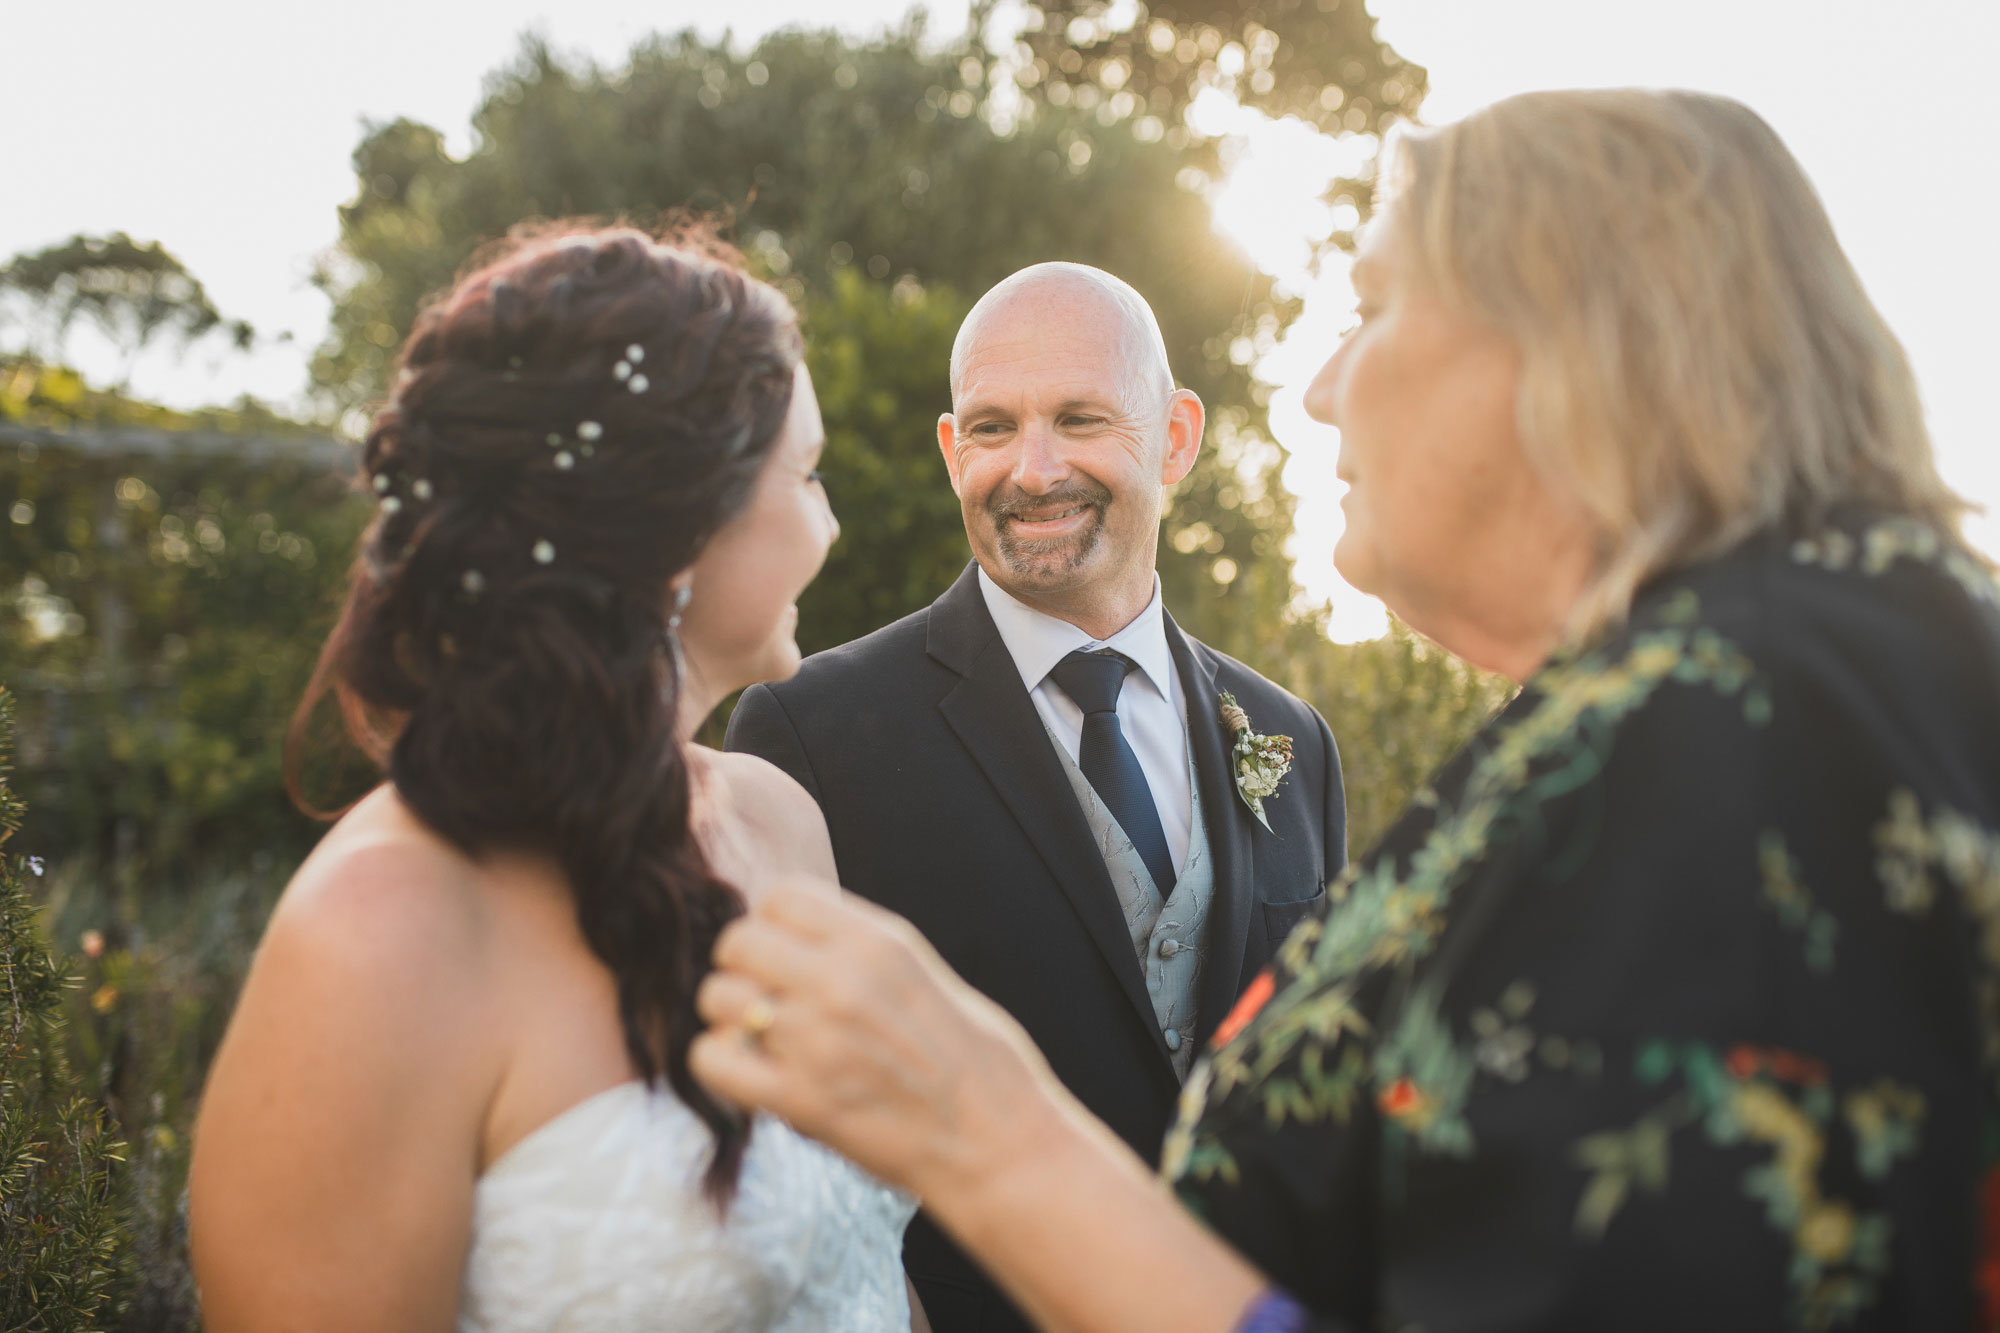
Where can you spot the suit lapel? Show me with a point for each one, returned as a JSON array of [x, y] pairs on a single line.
[[991, 713], [1230, 834]]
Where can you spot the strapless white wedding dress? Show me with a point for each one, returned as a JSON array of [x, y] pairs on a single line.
[[596, 1223]]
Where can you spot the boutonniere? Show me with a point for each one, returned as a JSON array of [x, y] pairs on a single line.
[[1261, 761]]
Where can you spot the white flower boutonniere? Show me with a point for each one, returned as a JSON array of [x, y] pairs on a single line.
[[1261, 761]]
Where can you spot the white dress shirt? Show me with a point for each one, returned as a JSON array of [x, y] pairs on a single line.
[[1152, 708]]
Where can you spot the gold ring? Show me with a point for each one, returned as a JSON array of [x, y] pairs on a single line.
[[759, 1017]]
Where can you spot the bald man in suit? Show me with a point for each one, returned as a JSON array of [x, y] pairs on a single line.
[[1036, 769]]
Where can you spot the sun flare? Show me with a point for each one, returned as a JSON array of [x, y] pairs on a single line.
[[1273, 202]]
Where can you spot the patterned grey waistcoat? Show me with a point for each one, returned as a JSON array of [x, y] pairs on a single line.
[[1167, 937]]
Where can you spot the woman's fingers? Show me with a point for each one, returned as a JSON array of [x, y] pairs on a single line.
[[725, 1000], [738, 1071], [840, 950], [812, 907], [773, 953], [836, 1015], [815, 910]]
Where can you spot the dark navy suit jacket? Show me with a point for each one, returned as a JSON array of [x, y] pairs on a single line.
[[947, 804]]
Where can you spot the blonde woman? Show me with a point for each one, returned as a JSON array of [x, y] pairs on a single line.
[[1675, 1004]]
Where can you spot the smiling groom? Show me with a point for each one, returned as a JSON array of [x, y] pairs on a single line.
[[1039, 769]]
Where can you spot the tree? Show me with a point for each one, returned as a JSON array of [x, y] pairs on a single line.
[[879, 355], [1318, 60], [134, 294], [896, 165], [1399, 706], [58, 1227]]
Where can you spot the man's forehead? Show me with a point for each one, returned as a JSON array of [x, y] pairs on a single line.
[[1073, 347], [1048, 366], [980, 394], [1092, 313], [1072, 287], [1085, 314], [1008, 339]]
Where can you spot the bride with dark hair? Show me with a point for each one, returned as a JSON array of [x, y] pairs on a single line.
[[456, 1085]]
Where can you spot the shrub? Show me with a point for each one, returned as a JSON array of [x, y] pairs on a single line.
[[59, 1228]]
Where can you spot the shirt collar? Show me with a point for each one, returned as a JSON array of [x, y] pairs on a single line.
[[1037, 640]]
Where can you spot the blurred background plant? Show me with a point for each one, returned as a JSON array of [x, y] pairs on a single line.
[[163, 588], [59, 1227], [166, 577], [133, 294]]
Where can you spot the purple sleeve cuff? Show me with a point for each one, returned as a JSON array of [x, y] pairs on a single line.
[[1274, 1312]]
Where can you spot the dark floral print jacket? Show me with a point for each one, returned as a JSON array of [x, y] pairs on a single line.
[[1675, 1003]]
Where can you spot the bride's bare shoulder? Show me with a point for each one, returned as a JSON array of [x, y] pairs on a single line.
[[774, 809], [382, 892], [750, 775]]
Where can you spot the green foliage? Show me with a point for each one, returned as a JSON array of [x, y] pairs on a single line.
[[828, 154], [902, 160], [880, 360], [58, 1223], [159, 974], [160, 616], [1318, 60], [133, 293], [1398, 706], [38, 393]]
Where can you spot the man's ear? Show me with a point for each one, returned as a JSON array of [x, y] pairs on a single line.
[[1185, 419], [948, 446]]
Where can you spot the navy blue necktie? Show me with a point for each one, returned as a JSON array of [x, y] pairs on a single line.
[[1093, 681]]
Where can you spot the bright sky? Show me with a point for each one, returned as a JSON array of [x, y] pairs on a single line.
[[222, 130], [1889, 109]]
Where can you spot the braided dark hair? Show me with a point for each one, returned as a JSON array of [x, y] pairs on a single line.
[[568, 427]]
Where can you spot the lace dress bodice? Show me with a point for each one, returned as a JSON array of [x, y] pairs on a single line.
[[596, 1223]]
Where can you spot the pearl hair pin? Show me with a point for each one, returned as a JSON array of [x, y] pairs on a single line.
[[623, 371]]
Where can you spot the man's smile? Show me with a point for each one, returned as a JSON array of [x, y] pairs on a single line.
[[1054, 524]]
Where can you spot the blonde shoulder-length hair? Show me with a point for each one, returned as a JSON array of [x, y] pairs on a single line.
[[1698, 357]]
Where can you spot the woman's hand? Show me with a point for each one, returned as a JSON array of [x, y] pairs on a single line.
[[840, 1018], [837, 1016]]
